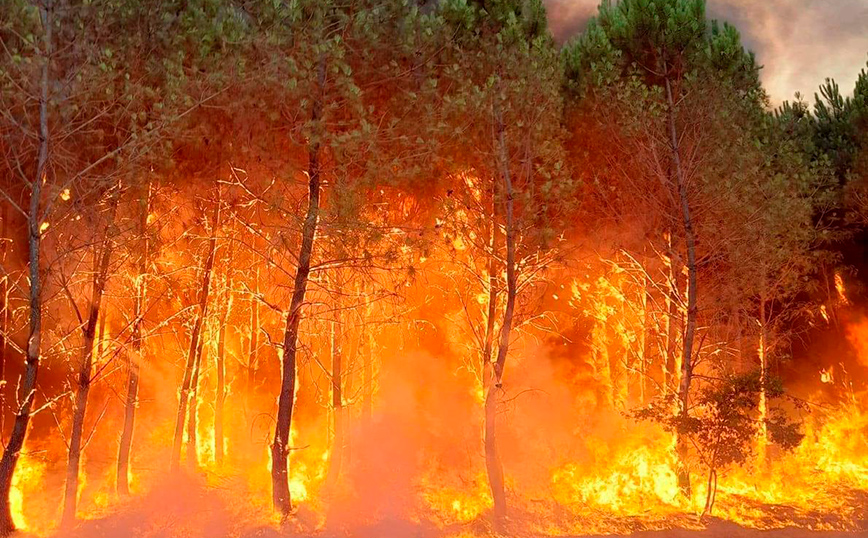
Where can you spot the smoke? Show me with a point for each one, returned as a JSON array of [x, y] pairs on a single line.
[[178, 506], [799, 42], [569, 17]]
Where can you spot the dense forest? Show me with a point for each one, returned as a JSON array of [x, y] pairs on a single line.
[[412, 267]]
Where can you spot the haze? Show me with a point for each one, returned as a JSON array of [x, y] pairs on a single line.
[[799, 42]]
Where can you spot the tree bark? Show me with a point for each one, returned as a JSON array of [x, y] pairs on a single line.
[[100, 280], [641, 341], [336, 454], [349, 375], [368, 374], [132, 401], [762, 442], [221, 370], [493, 464], [253, 356], [100, 344], [711, 493], [491, 311], [193, 353], [4, 316], [27, 390], [673, 319], [690, 243], [286, 400], [193, 409]]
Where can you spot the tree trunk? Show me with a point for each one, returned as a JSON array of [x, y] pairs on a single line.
[[349, 369], [193, 409], [711, 493], [286, 400], [641, 341], [221, 370], [368, 367], [27, 388], [368, 374], [617, 367], [673, 319], [602, 361], [762, 442], [4, 316], [100, 279], [690, 242], [336, 454], [253, 355], [132, 401], [492, 456], [194, 351], [101, 341], [491, 312]]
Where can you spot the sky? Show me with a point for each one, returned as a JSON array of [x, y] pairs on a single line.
[[799, 43]]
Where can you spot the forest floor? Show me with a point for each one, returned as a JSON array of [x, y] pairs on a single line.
[[724, 529], [191, 510]]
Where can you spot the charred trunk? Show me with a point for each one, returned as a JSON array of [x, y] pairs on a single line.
[[493, 463], [286, 400], [4, 315], [368, 376], [336, 453], [220, 365], [673, 319], [491, 310], [27, 387], [135, 360], [642, 341], [711, 493], [762, 349], [100, 279], [253, 352], [195, 347], [193, 409], [690, 245]]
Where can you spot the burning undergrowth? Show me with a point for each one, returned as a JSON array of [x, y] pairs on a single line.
[[413, 469], [366, 268]]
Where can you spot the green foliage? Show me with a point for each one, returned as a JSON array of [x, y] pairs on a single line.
[[722, 426], [655, 39], [785, 193], [729, 60], [500, 70], [836, 131], [754, 188], [657, 35], [525, 18], [841, 137]]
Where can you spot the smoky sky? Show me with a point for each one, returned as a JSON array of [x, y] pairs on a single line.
[[799, 43]]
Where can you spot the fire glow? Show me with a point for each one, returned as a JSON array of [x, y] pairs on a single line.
[[368, 268]]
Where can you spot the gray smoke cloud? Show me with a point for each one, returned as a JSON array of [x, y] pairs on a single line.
[[799, 42]]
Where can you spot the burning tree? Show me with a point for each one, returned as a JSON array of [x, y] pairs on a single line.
[[685, 156], [394, 217], [333, 60], [82, 83], [724, 426], [511, 192]]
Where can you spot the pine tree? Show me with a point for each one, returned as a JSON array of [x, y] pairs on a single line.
[[512, 184], [680, 89]]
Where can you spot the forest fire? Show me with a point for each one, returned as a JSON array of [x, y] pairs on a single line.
[[413, 268]]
